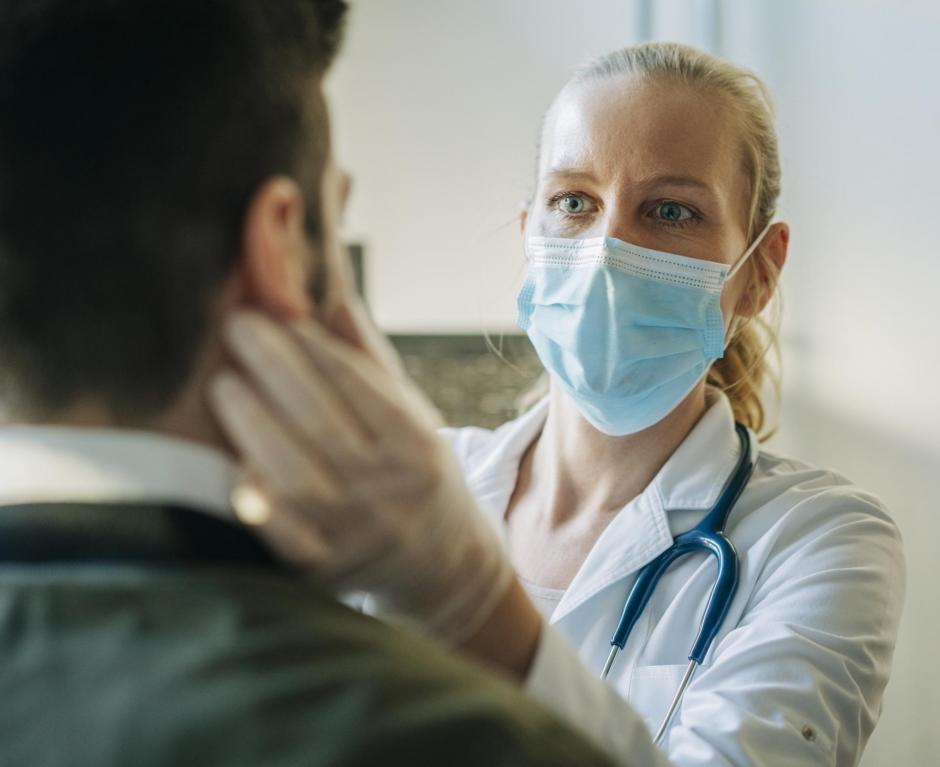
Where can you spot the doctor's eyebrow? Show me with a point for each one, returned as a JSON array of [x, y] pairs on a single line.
[[675, 181], [570, 173], [686, 182], [689, 182]]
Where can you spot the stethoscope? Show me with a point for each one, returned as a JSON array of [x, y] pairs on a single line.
[[708, 536]]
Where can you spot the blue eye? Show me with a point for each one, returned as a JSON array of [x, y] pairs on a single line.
[[572, 204], [673, 212]]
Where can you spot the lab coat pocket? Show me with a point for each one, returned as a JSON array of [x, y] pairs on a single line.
[[652, 689]]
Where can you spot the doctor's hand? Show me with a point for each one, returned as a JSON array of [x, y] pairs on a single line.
[[350, 478]]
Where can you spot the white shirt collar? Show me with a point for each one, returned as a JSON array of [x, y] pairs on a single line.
[[690, 480], [65, 464]]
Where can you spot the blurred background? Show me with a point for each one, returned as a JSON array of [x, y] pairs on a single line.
[[437, 105]]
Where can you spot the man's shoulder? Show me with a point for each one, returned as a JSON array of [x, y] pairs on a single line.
[[242, 666]]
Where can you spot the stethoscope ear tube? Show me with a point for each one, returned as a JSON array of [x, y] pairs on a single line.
[[726, 584], [709, 534], [641, 592], [676, 699]]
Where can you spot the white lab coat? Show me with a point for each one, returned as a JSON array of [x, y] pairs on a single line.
[[795, 676]]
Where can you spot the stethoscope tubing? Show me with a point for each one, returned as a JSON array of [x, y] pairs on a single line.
[[708, 536]]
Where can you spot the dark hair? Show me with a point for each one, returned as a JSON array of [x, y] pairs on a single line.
[[133, 134]]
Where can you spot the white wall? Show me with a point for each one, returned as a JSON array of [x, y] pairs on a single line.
[[437, 105], [436, 109]]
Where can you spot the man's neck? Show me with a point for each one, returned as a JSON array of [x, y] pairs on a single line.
[[187, 418]]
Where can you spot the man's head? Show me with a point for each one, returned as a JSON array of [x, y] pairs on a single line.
[[149, 151]]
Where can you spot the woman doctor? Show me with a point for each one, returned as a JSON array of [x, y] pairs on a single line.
[[651, 250]]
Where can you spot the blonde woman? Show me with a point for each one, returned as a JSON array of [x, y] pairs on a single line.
[[652, 249]]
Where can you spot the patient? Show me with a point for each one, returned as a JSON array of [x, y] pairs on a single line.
[[161, 166]]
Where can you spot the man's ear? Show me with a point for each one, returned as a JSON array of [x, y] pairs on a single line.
[[276, 253], [523, 218], [764, 273]]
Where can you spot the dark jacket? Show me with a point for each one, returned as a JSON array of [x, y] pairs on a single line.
[[143, 635]]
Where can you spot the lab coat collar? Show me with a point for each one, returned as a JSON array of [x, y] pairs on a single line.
[[698, 470], [492, 476]]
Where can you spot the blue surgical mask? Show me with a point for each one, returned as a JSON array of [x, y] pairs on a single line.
[[628, 332]]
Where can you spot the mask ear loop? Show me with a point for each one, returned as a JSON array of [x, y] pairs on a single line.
[[747, 253], [734, 270]]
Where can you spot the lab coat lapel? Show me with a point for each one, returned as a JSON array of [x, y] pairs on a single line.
[[637, 535], [493, 478]]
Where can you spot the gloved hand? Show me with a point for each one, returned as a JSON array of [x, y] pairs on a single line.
[[349, 476]]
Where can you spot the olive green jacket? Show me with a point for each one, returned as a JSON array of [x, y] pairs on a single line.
[[140, 636]]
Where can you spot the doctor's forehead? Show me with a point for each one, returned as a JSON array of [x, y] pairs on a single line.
[[624, 130]]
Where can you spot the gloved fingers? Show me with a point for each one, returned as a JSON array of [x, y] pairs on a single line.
[[308, 407], [389, 406], [290, 471], [305, 400], [321, 411], [350, 322]]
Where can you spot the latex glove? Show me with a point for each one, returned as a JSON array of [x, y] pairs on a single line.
[[361, 487]]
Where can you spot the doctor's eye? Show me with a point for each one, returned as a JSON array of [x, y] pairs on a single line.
[[571, 204], [671, 213]]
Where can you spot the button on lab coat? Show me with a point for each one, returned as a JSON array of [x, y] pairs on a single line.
[[796, 674]]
